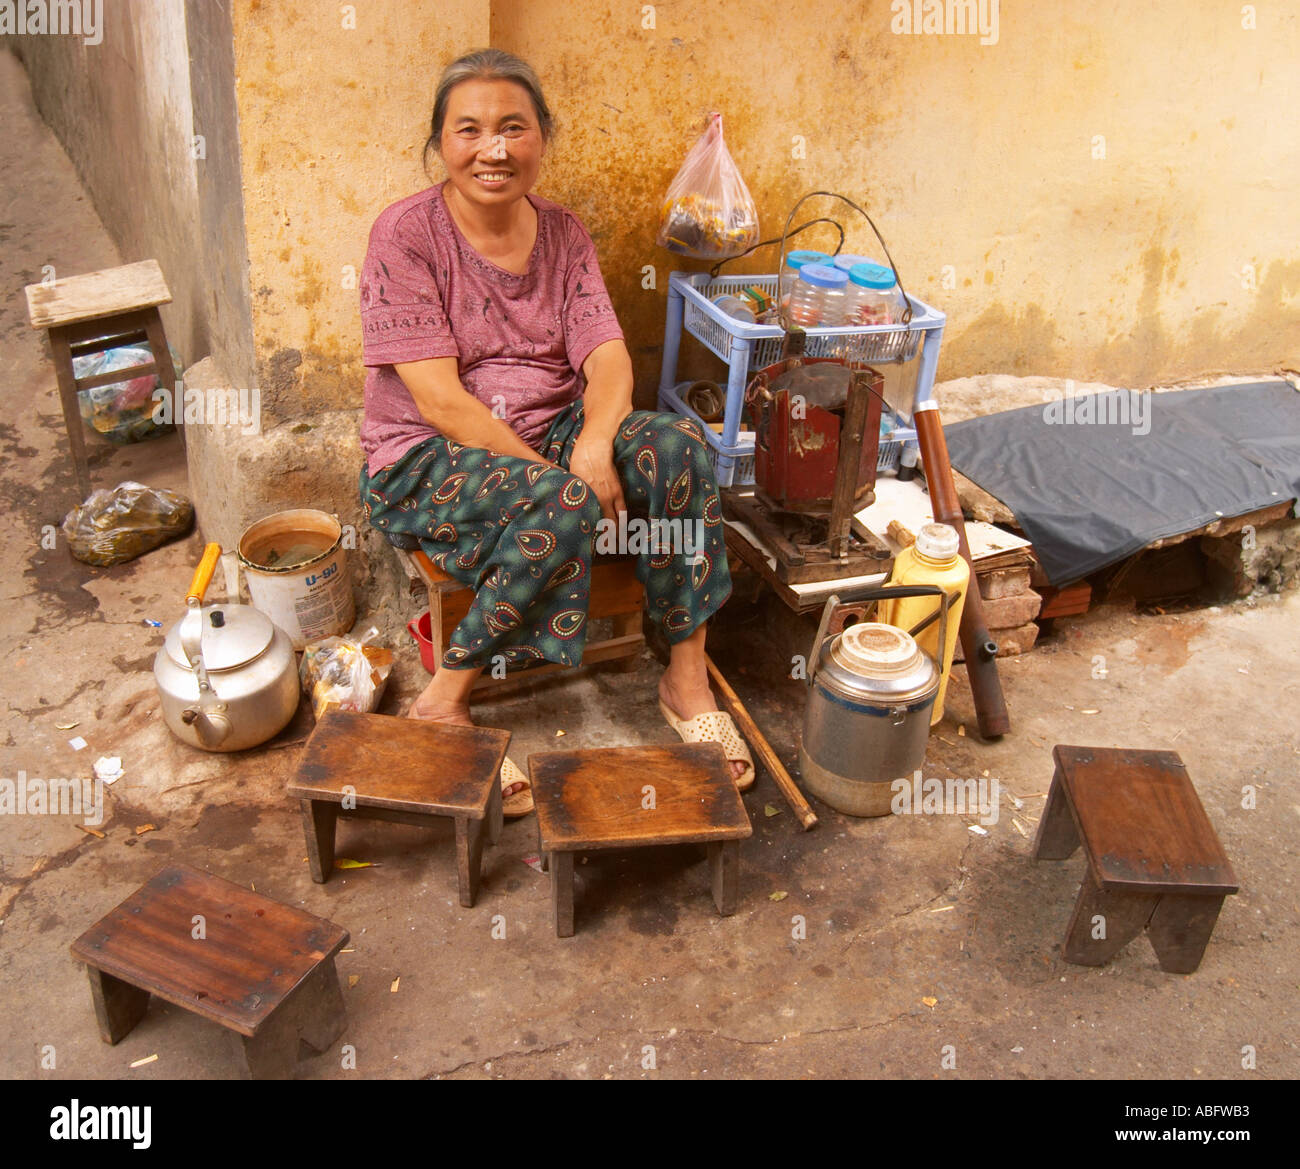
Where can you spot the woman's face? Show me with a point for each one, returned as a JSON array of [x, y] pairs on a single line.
[[491, 143]]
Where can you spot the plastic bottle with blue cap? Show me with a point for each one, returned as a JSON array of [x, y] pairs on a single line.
[[819, 298], [874, 297], [790, 270]]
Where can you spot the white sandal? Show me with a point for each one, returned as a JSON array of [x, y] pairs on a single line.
[[714, 726], [521, 803]]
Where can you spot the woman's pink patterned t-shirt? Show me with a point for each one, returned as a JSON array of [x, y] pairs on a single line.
[[519, 340]]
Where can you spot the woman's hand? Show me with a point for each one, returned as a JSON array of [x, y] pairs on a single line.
[[592, 461]]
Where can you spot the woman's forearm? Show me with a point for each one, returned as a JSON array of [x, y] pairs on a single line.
[[444, 403], [607, 400], [470, 423]]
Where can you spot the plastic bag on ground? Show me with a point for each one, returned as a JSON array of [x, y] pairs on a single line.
[[114, 526], [708, 213], [343, 673]]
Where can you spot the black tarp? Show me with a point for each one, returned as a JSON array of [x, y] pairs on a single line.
[[1094, 479]]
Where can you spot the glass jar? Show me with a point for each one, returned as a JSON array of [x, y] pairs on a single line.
[[832, 284], [849, 262], [818, 299], [793, 262], [874, 299]]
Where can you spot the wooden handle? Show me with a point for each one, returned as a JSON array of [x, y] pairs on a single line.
[[981, 669], [793, 796], [203, 574]]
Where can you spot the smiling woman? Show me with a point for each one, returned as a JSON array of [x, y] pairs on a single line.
[[499, 431]]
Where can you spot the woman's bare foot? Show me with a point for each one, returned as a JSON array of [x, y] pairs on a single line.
[[686, 693], [436, 710], [446, 700]]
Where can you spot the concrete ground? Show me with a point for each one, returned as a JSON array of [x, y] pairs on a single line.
[[930, 951]]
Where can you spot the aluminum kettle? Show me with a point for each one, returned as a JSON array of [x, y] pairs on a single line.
[[227, 676]]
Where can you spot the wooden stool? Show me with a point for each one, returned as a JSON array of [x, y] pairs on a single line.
[[92, 314], [255, 966], [615, 593], [1154, 861], [376, 767], [632, 797]]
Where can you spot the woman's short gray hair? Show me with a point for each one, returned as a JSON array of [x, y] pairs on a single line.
[[487, 65]]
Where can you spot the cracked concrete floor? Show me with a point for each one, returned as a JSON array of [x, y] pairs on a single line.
[[919, 934]]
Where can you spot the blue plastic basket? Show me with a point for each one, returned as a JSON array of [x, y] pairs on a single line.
[[855, 345], [747, 348]]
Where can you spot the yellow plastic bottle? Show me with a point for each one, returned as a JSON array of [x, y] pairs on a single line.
[[935, 559]]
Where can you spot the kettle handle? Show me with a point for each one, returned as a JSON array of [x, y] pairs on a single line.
[[203, 574], [879, 593]]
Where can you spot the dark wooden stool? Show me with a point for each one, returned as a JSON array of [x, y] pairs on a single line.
[[93, 313], [598, 799], [1154, 861], [376, 767], [260, 968], [616, 593]]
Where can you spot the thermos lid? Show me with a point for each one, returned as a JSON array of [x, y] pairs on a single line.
[[238, 634], [876, 650], [871, 661], [938, 542]]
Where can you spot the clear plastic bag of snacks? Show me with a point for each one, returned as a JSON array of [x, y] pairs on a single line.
[[123, 412], [709, 213], [340, 673]]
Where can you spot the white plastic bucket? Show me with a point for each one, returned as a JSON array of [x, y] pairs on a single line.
[[297, 572]]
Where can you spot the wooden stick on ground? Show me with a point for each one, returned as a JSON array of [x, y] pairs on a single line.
[[762, 748]]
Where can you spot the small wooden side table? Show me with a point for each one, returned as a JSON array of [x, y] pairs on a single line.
[[93, 313], [406, 771], [634, 797], [1154, 860], [257, 967]]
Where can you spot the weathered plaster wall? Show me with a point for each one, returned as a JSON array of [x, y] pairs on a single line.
[[334, 104], [1173, 255], [222, 278], [126, 113]]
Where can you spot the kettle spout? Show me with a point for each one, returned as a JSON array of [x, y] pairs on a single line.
[[211, 729]]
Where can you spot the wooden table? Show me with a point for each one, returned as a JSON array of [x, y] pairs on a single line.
[[407, 771], [219, 950], [1154, 860], [634, 797]]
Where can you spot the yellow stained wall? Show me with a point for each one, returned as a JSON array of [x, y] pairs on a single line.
[[1103, 194], [334, 103]]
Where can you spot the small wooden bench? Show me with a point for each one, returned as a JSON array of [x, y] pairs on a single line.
[[635, 797], [260, 968], [376, 767], [93, 313], [616, 593], [1154, 860]]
